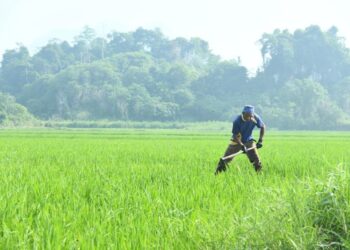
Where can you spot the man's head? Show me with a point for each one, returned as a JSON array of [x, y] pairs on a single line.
[[248, 112]]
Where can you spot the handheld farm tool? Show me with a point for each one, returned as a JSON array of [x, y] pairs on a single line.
[[222, 164]]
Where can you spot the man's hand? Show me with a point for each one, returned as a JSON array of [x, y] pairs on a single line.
[[259, 144], [244, 149]]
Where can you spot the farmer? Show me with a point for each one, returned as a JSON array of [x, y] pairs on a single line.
[[242, 138]]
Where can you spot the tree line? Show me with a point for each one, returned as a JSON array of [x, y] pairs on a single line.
[[304, 82]]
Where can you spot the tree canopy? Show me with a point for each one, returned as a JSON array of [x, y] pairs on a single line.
[[143, 75]]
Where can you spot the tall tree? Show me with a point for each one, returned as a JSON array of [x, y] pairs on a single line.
[[53, 57], [82, 45], [278, 55], [16, 70]]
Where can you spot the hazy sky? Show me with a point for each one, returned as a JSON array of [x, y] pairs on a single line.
[[231, 27]]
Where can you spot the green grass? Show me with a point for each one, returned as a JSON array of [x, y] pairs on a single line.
[[156, 189]]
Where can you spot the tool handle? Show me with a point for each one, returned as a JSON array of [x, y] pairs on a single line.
[[238, 153]]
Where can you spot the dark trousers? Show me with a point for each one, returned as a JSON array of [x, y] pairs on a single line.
[[252, 154]]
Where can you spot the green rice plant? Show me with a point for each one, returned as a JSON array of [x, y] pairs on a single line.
[[156, 189], [329, 209]]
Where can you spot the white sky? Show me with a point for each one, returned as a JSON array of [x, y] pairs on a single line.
[[232, 28]]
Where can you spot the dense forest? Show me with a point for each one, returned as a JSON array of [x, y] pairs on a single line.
[[304, 82]]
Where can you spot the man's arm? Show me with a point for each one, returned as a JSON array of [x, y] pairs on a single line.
[[237, 139], [262, 133], [236, 133], [260, 124], [236, 136]]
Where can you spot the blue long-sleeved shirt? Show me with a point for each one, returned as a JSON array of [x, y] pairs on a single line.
[[244, 129]]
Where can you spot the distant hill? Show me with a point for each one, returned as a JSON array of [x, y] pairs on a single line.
[[143, 76]]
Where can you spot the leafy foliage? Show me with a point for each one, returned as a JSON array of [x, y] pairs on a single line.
[[12, 113], [142, 75]]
